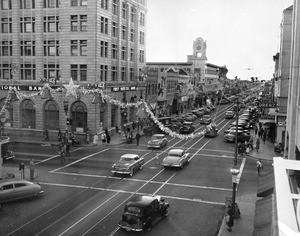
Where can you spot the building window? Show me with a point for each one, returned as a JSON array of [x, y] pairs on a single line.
[[114, 73], [114, 51], [27, 24], [51, 115], [28, 72], [5, 4], [104, 25], [51, 24], [51, 72], [79, 115], [103, 49], [74, 48], [6, 25], [132, 14], [131, 74], [83, 47], [123, 74], [76, 3], [50, 3], [114, 29], [5, 71], [51, 48], [124, 10], [27, 48], [103, 72], [82, 23], [115, 7], [104, 4], [132, 32], [142, 19], [79, 72], [6, 48], [27, 4], [124, 32], [142, 56], [142, 37], [131, 54], [78, 47], [123, 53], [28, 114]]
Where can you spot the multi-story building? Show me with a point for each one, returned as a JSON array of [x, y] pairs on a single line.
[[94, 42]]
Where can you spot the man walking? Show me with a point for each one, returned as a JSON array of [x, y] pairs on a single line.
[[257, 144], [137, 138], [259, 166]]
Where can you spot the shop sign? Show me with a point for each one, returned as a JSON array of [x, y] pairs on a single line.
[[124, 88], [23, 87], [268, 104]]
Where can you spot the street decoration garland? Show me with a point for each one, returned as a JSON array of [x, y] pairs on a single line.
[[75, 90]]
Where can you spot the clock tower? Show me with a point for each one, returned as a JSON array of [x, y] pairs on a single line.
[[198, 59]]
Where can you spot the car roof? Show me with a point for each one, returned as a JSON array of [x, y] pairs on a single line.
[[141, 201], [158, 135], [13, 181], [176, 151], [130, 155]]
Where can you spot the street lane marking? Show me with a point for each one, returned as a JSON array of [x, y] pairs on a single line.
[[238, 178], [163, 184], [74, 162]]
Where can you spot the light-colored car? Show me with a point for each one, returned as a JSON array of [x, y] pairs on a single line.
[[241, 136], [128, 164], [16, 189], [176, 158], [157, 141], [206, 120], [229, 114]]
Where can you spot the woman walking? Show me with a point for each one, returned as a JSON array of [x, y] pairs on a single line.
[[257, 144]]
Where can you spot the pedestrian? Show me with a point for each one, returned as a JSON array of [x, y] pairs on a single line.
[[259, 166], [108, 139], [44, 135], [137, 138], [117, 129], [59, 135], [31, 167], [62, 154], [265, 136], [251, 143], [257, 144], [95, 140], [47, 135], [68, 146], [248, 149], [103, 138], [256, 130]]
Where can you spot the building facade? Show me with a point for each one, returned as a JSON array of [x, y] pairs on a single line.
[[98, 43]]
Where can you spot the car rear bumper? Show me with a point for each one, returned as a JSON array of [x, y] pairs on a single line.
[[125, 172]]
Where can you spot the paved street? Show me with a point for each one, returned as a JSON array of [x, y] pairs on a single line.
[[82, 197]]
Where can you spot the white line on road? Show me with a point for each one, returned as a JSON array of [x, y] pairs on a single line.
[[164, 183], [74, 162]]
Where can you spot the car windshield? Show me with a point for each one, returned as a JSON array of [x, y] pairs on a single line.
[[174, 153], [126, 159], [156, 138], [133, 209]]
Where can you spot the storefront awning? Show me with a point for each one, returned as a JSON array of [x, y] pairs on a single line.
[[263, 216], [265, 185]]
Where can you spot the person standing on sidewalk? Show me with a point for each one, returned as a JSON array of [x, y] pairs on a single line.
[[95, 140], [31, 168], [257, 144], [137, 138], [265, 136], [259, 166]]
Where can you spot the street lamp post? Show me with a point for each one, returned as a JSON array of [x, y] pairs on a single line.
[[234, 171]]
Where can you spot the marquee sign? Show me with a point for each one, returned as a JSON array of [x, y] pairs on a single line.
[[268, 105], [25, 87]]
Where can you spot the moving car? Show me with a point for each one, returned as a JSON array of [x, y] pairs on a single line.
[[241, 136], [16, 189], [142, 212], [187, 127], [233, 128], [198, 113], [128, 164], [157, 141], [229, 114], [206, 120], [176, 158]]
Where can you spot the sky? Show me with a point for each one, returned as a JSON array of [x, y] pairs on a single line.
[[244, 35]]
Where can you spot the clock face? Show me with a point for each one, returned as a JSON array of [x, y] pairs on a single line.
[[198, 47]]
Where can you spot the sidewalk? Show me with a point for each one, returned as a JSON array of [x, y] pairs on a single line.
[[244, 226]]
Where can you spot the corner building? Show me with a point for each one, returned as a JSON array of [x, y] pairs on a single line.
[[94, 42]]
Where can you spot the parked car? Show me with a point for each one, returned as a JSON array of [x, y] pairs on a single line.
[[176, 158], [187, 127], [188, 117], [233, 128], [229, 114], [16, 189], [142, 212], [157, 141], [198, 113], [191, 114], [128, 164], [211, 107], [206, 120], [241, 136]]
